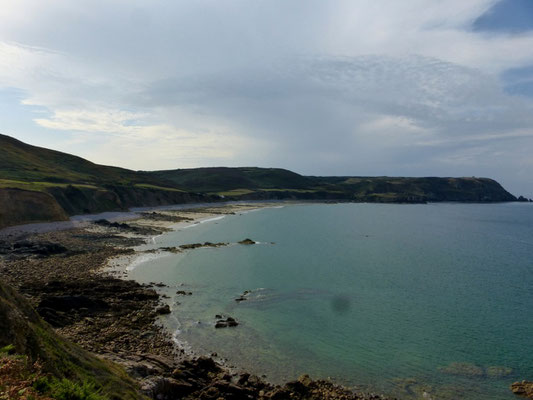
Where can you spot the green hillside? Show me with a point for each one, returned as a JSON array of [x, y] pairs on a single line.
[[219, 179], [23, 162], [38, 184]]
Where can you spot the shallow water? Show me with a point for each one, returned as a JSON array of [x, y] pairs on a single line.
[[388, 297]]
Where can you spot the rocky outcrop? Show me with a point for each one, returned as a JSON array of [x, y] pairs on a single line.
[[524, 389], [198, 245]]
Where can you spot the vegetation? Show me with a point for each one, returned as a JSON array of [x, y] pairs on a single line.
[[24, 380], [50, 366], [71, 185]]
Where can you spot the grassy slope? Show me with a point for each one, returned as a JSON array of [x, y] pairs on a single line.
[[218, 179], [22, 327], [26, 163]]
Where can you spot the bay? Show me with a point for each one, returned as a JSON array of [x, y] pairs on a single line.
[[399, 299]]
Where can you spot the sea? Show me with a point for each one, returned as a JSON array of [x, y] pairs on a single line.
[[424, 301]]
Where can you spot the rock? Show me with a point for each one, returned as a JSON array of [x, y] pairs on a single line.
[[247, 241], [221, 324], [75, 302], [183, 293], [463, 369], [165, 309], [524, 389], [225, 322], [498, 371], [197, 245], [242, 297], [305, 380], [165, 388], [26, 248]]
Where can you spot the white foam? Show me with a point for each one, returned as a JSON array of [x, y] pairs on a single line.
[[144, 258], [202, 221]]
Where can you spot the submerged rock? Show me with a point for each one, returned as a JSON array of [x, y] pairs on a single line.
[[463, 369], [247, 241], [498, 371]]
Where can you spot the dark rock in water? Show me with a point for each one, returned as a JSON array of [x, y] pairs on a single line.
[[225, 322], [247, 241], [221, 324], [163, 309], [184, 293], [172, 249], [198, 245], [242, 297], [524, 389]]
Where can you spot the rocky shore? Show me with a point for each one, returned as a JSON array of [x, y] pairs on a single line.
[[63, 275]]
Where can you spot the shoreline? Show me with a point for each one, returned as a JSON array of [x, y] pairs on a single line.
[[66, 276], [94, 262]]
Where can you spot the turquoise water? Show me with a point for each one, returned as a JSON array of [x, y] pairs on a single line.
[[385, 297]]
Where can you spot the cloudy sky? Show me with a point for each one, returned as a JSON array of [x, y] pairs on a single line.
[[340, 87]]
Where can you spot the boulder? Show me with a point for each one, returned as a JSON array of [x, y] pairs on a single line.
[[524, 389], [165, 309]]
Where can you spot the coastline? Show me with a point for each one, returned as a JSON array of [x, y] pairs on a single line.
[[70, 278]]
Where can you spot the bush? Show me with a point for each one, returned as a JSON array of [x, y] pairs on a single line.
[[65, 389]]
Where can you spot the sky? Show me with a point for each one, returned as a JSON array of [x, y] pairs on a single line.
[[337, 87]]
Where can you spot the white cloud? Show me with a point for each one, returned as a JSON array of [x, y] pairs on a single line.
[[336, 86]]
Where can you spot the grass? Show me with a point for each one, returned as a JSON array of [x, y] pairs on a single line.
[[38, 186], [65, 389], [21, 379], [235, 192], [149, 186]]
